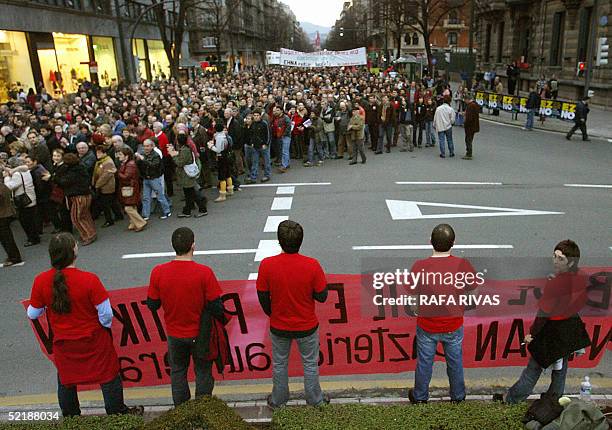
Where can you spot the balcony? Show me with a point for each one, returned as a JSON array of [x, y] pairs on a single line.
[[453, 24]]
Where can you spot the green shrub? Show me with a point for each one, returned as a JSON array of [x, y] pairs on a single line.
[[432, 416], [112, 422], [206, 413]]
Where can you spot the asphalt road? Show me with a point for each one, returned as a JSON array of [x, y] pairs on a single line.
[[532, 168]]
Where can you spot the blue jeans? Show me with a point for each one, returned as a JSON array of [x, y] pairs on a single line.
[[529, 378], [530, 115], [156, 185], [285, 145], [386, 132], [426, 350], [446, 135], [331, 142], [309, 351], [430, 135], [254, 154], [315, 148]]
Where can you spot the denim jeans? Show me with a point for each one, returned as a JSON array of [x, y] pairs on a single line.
[[180, 352], [386, 132], [156, 185], [426, 350], [286, 145], [309, 350], [530, 116], [315, 148], [448, 136], [331, 143], [529, 378], [430, 135], [255, 153], [111, 391]]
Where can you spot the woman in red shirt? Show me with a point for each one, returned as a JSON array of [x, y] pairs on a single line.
[[80, 315]]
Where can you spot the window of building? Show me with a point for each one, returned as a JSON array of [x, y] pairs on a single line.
[[453, 18], [140, 52], [452, 38], [487, 50], [415, 39], [72, 55], [583, 32], [208, 42], [15, 68], [104, 53], [558, 28], [500, 41], [160, 66]]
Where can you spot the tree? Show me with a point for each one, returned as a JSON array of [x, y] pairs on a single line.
[[424, 16], [218, 19], [397, 14], [171, 19]]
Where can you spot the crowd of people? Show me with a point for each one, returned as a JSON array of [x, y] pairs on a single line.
[[121, 152]]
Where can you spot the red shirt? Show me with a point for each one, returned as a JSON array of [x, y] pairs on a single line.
[[85, 291], [445, 318], [184, 288], [162, 142], [564, 295], [291, 280], [146, 134]]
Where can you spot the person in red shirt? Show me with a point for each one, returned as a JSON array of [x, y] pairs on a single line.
[[186, 291], [557, 331], [288, 285], [439, 322], [80, 315]]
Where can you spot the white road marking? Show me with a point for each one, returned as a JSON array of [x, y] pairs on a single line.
[[272, 223], [588, 185], [403, 209], [446, 183], [267, 248], [290, 184], [425, 247], [172, 254], [285, 190], [252, 276], [282, 203], [610, 140]]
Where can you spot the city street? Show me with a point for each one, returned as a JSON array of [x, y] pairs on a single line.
[[523, 191]]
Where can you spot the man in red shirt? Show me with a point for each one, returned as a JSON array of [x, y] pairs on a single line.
[[287, 286], [440, 320], [186, 291]]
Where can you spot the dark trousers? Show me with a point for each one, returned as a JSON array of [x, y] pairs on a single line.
[[169, 170], [105, 204], [60, 217], [27, 219], [8, 241], [111, 391], [43, 214], [193, 197], [469, 138], [417, 126], [373, 128], [180, 353], [579, 125]]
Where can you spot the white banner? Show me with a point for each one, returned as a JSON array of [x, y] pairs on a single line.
[[325, 58], [272, 57]]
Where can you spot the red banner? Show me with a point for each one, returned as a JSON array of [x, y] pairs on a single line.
[[353, 339]]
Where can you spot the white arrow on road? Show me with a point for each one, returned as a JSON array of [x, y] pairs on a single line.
[[406, 209]]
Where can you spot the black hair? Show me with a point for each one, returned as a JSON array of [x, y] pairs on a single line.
[[182, 240], [290, 236], [442, 238], [219, 127], [61, 253], [570, 249]]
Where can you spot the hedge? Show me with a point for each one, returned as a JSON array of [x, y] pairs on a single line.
[[205, 413], [431, 416]]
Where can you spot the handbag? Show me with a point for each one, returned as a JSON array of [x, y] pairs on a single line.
[[127, 191], [192, 170], [22, 200]]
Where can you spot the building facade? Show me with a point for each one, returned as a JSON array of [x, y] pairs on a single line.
[[57, 44], [547, 37]]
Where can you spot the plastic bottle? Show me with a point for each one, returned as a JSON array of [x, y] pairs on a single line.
[[585, 389]]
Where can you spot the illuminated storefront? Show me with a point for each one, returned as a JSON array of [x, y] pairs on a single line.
[[141, 55], [104, 53], [72, 53], [160, 67], [15, 67]]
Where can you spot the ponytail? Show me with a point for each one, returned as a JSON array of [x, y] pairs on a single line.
[[62, 254]]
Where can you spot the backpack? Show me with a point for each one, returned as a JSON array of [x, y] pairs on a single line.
[[544, 410]]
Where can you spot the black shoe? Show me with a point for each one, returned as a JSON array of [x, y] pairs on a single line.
[[201, 214], [378, 152], [363, 161], [339, 157], [456, 402], [107, 224], [586, 140], [442, 156], [413, 400], [135, 410], [325, 400], [498, 397], [182, 215], [265, 179], [568, 137], [28, 243], [452, 155], [249, 181], [352, 162], [9, 263]]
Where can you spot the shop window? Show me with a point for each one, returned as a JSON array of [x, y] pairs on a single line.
[[160, 66], [104, 53], [140, 52], [71, 50], [15, 68]]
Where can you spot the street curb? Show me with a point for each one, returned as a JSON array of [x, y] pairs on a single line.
[[512, 124], [258, 412]]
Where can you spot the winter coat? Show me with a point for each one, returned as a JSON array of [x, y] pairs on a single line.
[[103, 179], [185, 156], [444, 118], [7, 210], [128, 177], [355, 129], [150, 166], [318, 130], [328, 119], [21, 182], [472, 118]]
